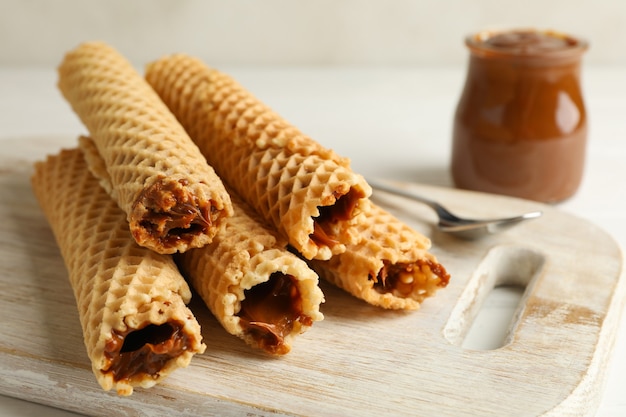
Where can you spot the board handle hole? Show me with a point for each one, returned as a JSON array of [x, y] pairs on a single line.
[[487, 313]]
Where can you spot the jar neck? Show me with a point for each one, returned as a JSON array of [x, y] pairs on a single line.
[[528, 62], [527, 48], [480, 64]]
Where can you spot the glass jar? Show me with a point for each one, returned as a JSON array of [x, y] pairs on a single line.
[[520, 127]]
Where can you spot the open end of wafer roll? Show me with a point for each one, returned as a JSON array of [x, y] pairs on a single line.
[[342, 206], [416, 280], [168, 215], [136, 353], [259, 292], [271, 311]]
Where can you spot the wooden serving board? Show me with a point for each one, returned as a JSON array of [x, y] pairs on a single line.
[[360, 360]]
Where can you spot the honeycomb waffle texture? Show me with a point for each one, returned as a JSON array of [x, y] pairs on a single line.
[[391, 249], [281, 173], [119, 286], [140, 142], [243, 255]]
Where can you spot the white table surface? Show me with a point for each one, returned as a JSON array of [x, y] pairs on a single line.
[[393, 123]]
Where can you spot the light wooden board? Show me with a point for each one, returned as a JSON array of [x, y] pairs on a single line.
[[360, 360]]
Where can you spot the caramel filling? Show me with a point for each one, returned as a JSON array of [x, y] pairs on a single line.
[[144, 351], [171, 214], [401, 278], [270, 310], [343, 209]]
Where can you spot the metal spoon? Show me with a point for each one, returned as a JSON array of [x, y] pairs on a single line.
[[450, 223]]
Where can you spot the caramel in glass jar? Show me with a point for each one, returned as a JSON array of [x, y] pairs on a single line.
[[520, 127]]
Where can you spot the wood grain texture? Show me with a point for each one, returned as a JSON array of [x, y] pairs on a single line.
[[359, 360]]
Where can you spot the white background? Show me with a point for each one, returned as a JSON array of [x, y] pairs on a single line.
[[292, 32]]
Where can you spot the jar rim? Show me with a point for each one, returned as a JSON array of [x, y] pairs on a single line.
[[477, 44]]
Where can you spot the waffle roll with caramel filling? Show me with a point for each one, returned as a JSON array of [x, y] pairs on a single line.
[[306, 192], [255, 288], [131, 300], [173, 200], [389, 267]]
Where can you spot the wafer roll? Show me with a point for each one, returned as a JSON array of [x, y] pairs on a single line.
[[256, 289], [172, 198], [308, 193], [131, 300], [390, 267]]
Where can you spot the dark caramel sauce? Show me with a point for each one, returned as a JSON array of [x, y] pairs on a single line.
[[270, 310], [172, 214], [343, 209], [388, 278], [144, 351]]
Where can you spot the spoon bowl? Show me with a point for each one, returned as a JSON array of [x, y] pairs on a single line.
[[450, 223]]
